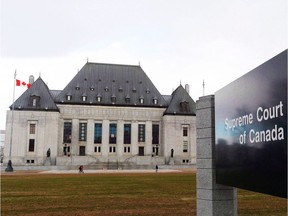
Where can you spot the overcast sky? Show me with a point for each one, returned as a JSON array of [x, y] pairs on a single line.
[[175, 41]]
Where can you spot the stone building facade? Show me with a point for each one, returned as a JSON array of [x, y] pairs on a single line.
[[106, 114]]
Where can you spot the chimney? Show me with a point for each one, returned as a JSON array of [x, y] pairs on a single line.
[[31, 79], [187, 88]]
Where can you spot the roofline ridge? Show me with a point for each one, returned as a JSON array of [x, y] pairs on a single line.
[[130, 65]]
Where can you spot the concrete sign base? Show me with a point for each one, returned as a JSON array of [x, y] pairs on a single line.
[[212, 199]]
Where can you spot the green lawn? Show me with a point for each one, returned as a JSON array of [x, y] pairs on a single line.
[[116, 194]]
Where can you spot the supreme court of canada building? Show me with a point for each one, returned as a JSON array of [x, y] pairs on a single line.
[[107, 113]]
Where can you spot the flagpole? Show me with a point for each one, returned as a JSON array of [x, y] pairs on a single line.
[[9, 165], [203, 88]]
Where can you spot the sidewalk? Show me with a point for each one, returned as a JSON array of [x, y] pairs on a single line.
[[108, 171]]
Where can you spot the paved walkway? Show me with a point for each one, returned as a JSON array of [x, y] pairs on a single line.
[[109, 171]]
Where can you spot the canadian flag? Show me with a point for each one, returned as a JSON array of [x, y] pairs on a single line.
[[22, 83]]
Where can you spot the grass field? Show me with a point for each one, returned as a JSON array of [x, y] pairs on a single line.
[[146, 194]]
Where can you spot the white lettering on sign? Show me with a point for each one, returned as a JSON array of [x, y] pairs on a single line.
[[238, 122], [277, 133], [270, 113], [257, 136]]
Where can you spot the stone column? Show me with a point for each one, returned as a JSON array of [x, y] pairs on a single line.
[[212, 199], [75, 137], [148, 138], [120, 138], [134, 138], [90, 137], [105, 138]]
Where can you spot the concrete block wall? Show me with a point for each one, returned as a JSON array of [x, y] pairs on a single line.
[[212, 199]]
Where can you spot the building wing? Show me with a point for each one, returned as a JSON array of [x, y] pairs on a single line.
[[36, 98], [181, 103]]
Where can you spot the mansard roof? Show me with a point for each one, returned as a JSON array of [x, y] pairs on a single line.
[[108, 85], [39, 92], [111, 84], [181, 103]]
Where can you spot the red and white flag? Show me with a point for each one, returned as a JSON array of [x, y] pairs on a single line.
[[22, 83]]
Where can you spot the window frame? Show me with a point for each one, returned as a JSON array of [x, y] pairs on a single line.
[[141, 132]]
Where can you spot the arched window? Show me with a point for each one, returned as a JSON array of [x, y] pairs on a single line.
[[98, 98], [113, 99]]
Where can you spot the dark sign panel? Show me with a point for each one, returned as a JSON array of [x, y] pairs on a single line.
[[251, 130]]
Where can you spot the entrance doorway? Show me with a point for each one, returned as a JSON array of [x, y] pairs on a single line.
[[82, 150], [141, 151]]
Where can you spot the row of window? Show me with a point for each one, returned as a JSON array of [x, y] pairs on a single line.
[[112, 133], [127, 149], [67, 133], [120, 89], [113, 99], [112, 149]]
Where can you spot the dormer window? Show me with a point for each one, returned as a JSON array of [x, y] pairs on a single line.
[[77, 87], [120, 89], [184, 106], [134, 90], [69, 97], [147, 91], [92, 88], [141, 100], [127, 99], [106, 89], [155, 101], [113, 99], [98, 98], [34, 102], [84, 96]]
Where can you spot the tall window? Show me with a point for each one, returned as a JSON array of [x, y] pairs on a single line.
[[185, 131], [185, 146], [31, 145], [141, 133], [155, 134], [67, 133], [32, 128], [98, 133], [127, 133], [82, 131], [113, 133]]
